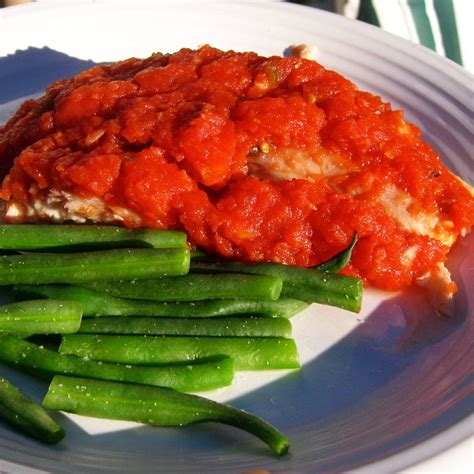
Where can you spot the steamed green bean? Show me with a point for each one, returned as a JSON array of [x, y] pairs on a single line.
[[249, 353], [153, 406], [118, 264], [85, 237], [40, 317], [193, 287], [217, 327]]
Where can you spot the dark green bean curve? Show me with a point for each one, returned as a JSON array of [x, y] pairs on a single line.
[[117, 264], [100, 304], [194, 287], [316, 295], [85, 237], [26, 415], [340, 260], [249, 353], [217, 327], [40, 317], [153, 406], [310, 285], [287, 273], [203, 375]]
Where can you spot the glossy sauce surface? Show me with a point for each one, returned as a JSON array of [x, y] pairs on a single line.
[[191, 140]]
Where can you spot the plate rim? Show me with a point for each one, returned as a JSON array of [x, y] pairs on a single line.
[[455, 71]]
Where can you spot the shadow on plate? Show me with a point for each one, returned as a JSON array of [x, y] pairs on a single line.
[[29, 71]]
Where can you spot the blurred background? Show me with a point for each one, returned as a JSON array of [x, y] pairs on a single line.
[[444, 26]]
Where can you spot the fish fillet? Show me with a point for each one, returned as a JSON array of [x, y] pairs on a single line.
[[258, 159]]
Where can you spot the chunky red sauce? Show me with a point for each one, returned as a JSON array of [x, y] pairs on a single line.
[[169, 138]]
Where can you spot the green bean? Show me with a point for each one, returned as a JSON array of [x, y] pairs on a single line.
[[154, 406], [100, 304], [310, 285], [287, 273], [40, 317], [340, 260], [236, 326], [83, 267], [85, 237], [249, 353], [316, 295], [194, 288], [202, 375], [26, 415]]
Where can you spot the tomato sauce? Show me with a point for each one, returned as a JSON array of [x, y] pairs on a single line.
[[169, 139]]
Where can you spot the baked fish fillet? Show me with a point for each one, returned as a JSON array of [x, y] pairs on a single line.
[[258, 159]]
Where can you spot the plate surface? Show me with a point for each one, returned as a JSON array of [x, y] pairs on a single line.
[[381, 390]]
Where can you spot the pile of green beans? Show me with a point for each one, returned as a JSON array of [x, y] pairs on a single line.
[[138, 329]]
